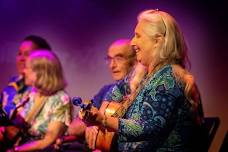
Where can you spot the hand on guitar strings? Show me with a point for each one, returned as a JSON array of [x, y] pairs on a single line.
[[92, 116]]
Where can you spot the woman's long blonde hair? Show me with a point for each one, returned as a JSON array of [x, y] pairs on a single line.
[[49, 72], [172, 50]]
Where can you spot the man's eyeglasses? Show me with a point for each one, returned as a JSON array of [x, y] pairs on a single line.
[[116, 59]]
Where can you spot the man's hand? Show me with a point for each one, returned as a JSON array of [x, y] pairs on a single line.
[[92, 116]]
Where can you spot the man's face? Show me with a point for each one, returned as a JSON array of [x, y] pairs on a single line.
[[120, 60], [23, 53]]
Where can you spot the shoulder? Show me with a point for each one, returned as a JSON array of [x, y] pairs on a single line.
[[60, 97], [14, 78], [164, 76], [164, 81], [105, 88], [17, 84], [10, 81], [103, 91]]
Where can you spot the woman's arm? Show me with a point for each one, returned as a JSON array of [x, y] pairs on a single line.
[[55, 129], [77, 128], [154, 111]]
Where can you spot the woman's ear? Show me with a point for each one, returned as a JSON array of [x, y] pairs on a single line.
[[158, 40]]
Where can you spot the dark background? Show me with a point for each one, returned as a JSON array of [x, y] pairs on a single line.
[[80, 32]]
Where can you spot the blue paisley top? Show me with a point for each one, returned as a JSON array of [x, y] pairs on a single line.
[[160, 118]]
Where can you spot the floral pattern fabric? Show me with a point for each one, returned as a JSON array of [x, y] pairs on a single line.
[[56, 108]]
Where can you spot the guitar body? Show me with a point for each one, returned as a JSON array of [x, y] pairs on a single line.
[[105, 137]]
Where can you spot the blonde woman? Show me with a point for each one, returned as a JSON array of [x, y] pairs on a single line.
[[48, 111], [164, 112]]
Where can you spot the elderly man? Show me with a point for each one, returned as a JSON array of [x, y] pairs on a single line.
[[120, 59]]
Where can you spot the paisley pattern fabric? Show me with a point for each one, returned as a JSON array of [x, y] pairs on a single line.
[[112, 92], [118, 90], [101, 95], [160, 118], [56, 108]]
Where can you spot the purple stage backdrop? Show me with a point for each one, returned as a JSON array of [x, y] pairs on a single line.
[[80, 32]]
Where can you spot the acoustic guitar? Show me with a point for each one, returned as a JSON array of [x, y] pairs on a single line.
[[105, 137]]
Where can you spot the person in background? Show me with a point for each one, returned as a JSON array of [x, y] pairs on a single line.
[[48, 111], [164, 111], [120, 60], [16, 88]]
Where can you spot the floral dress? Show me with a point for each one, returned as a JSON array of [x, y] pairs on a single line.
[[56, 108]]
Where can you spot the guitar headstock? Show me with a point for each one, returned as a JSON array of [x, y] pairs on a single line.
[[85, 105]]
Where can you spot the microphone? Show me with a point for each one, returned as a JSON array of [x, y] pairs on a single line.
[[77, 101]]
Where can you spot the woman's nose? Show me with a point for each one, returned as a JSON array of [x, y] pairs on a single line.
[[133, 41]]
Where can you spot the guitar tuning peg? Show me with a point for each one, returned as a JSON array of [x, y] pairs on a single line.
[[76, 101]]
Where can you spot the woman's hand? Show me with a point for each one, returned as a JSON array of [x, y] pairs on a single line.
[[58, 143], [55, 129], [92, 116], [64, 139], [91, 135]]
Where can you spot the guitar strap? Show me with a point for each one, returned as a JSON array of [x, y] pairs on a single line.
[[20, 133], [38, 105], [19, 105]]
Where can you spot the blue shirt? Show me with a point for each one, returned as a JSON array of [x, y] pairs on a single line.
[[101, 95], [112, 92], [12, 94]]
